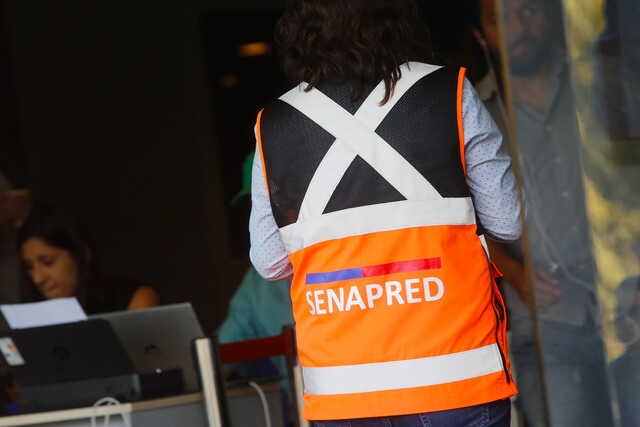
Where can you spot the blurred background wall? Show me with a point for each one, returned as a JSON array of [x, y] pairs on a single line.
[[111, 111], [138, 115]]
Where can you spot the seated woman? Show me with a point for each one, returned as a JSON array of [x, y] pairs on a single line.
[[61, 262]]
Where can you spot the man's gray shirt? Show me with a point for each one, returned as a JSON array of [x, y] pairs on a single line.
[[548, 146]]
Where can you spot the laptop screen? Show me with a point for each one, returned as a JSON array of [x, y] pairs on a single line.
[[159, 338]]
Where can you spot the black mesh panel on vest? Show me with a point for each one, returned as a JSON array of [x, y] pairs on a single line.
[[423, 128], [293, 146], [361, 185], [341, 94]]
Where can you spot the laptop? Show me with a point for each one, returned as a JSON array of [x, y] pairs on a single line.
[[68, 365], [159, 338]]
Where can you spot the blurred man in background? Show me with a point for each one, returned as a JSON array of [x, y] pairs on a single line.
[[562, 288]]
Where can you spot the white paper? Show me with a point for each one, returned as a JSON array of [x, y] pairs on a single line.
[[51, 312]]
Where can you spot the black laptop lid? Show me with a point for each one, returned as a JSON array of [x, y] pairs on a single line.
[[66, 352]]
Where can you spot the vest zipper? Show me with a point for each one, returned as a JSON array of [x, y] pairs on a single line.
[[499, 313]]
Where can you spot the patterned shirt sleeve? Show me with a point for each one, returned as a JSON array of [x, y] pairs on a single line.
[[267, 253], [489, 173]]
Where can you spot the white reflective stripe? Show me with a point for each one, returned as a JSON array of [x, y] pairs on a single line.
[[325, 180], [369, 145], [375, 113], [402, 374], [375, 218], [332, 168]]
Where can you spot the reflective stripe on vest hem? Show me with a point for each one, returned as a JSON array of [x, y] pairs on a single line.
[[376, 218], [402, 374]]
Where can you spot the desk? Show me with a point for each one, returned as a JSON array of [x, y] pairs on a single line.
[[245, 409], [183, 410], [193, 410]]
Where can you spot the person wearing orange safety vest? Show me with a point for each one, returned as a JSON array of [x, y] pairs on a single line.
[[368, 193]]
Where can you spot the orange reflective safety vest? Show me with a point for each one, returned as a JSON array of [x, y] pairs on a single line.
[[396, 308]]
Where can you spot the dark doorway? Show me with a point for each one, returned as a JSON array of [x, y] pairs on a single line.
[[244, 76]]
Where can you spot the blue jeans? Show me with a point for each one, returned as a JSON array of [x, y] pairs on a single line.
[[495, 414], [575, 379]]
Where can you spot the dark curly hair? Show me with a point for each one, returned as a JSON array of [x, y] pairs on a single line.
[[351, 41]]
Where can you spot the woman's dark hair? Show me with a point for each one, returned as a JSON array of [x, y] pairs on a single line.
[[58, 227], [351, 41]]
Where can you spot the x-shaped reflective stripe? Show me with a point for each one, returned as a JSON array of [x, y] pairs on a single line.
[[355, 135]]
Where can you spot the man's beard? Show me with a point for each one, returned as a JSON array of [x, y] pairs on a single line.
[[530, 61]]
